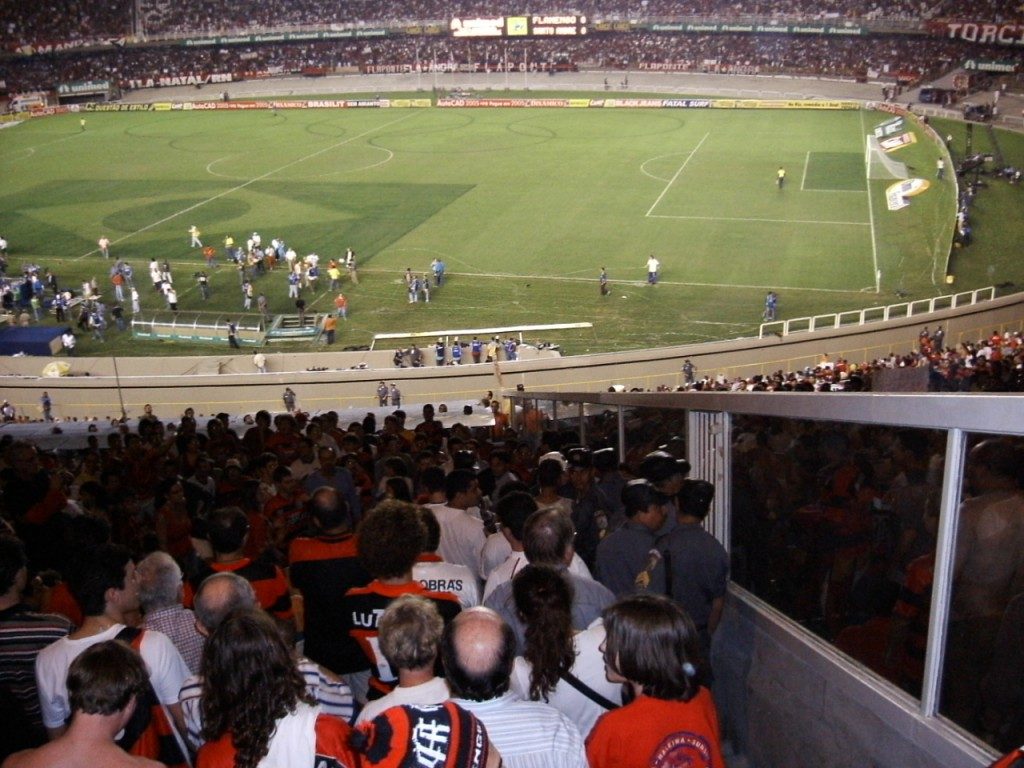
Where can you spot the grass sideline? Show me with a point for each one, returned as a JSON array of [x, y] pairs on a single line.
[[524, 206]]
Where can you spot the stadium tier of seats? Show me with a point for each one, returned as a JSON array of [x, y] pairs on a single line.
[[32, 22], [909, 58]]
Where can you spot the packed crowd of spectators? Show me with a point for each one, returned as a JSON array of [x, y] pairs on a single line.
[[351, 517], [26, 24], [161, 16], [910, 58], [395, 537], [993, 364]]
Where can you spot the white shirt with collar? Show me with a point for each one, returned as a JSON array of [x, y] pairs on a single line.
[[462, 536], [529, 734]]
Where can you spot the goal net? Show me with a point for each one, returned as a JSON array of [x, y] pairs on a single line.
[[879, 164]]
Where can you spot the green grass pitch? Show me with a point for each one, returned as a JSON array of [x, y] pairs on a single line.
[[523, 205]]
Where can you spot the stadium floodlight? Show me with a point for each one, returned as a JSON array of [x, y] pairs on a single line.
[[879, 164]]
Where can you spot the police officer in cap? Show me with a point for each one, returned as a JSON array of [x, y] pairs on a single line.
[[667, 474]]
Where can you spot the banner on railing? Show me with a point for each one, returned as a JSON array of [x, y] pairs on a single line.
[[762, 29], [181, 78], [85, 87], [283, 37], [979, 32]]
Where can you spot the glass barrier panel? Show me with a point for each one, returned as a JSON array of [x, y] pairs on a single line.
[[834, 524], [983, 670], [652, 429]]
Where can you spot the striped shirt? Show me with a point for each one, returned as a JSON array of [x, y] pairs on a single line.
[[23, 634], [334, 698], [529, 734]]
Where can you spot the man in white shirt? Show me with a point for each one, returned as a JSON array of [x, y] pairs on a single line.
[[307, 462], [106, 588], [478, 649], [462, 534], [653, 265], [512, 510], [68, 341]]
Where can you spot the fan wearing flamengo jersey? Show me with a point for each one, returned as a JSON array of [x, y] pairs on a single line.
[[323, 568], [436, 575], [391, 537]]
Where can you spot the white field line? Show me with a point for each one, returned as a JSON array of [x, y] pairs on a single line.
[[874, 244], [645, 172], [640, 282], [624, 284], [767, 221], [389, 158], [871, 214], [209, 168], [672, 181], [13, 158], [251, 181], [688, 321], [803, 179], [567, 278], [379, 163]]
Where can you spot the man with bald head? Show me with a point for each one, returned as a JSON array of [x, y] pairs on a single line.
[[477, 650], [218, 597]]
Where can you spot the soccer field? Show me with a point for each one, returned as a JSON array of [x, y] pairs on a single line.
[[523, 205]]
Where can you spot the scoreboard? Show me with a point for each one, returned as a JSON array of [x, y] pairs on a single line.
[[520, 26]]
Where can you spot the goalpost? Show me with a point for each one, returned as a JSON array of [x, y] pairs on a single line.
[[879, 164]]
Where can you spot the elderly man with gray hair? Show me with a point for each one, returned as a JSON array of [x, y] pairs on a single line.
[[161, 592], [410, 639]]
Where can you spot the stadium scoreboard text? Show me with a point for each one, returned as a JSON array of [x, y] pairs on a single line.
[[520, 26]]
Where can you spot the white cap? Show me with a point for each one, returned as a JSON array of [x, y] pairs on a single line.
[[557, 457]]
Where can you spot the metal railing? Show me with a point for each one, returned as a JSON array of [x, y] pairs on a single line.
[[881, 314]]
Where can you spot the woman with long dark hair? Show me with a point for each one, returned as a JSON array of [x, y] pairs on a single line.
[[559, 665], [651, 647], [256, 710]]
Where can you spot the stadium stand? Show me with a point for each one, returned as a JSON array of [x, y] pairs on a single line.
[[31, 24], [121, 486], [909, 59]]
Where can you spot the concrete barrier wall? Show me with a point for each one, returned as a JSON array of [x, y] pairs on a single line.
[[789, 702], [229, 382]]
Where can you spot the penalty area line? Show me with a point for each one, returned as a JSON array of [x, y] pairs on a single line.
[[763, 221], [251, 181], [675, 176]]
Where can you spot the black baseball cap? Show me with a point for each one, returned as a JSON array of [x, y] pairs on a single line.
[[580, 458], [659, 466]]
